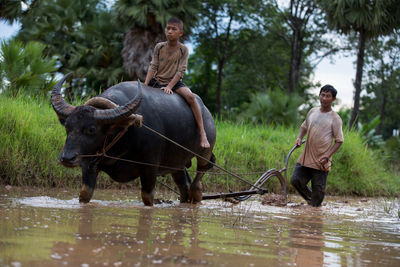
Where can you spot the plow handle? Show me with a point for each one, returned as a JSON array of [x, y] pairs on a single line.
[[288, 156]]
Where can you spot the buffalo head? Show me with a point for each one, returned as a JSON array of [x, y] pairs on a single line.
[[88, 126]]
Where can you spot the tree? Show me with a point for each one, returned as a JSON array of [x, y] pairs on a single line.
[[383, 84], [11, 10], [369, 19], [259, 66], [302, 17], [83, 37], [220, 23], [302, 27], [201, 74], [25, 68], [146, 20]]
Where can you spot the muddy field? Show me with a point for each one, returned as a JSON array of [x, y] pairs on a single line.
[[50, 228]]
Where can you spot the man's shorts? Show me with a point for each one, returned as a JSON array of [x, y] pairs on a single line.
[[153, 83]]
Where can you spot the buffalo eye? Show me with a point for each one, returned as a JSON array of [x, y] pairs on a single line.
[[91, 130]]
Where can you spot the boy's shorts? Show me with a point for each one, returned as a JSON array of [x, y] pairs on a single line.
[[153, 83]]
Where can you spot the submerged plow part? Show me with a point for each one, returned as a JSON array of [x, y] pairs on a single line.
[[262, 180], [257, 187]]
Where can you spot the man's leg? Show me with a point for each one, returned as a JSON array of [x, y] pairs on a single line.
[[300, 178], [191, 100], [318, 184]]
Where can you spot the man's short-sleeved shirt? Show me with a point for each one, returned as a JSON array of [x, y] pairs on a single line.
[[322, 129], [165, 64]]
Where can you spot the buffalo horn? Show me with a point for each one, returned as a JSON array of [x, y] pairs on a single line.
[[57, 101], [119, 113]]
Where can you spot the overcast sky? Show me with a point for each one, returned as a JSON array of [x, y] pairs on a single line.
[[340, 73]]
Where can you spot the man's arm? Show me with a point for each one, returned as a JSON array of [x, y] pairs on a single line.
[[302, 133], [324, 160], [332, 151]]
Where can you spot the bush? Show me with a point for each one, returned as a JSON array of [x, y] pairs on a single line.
[[392, 151], [274, 107]]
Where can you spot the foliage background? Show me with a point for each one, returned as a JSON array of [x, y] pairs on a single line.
[[32, 139]]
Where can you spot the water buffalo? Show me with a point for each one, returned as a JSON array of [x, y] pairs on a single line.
[[89, 127]]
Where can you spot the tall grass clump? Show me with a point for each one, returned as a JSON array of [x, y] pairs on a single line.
[[31, 140], [359, 170]]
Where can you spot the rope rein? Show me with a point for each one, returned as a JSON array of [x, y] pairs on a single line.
[[199, 156], [103, 153]]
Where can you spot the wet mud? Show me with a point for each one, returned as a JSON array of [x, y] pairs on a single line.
[[51, 228]]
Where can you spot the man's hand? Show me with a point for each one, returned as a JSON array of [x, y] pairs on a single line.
[[167, 90], [323, 161], [297, 142]]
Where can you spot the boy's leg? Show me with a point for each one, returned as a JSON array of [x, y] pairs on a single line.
[[318, 184], [191, 100], [300, 178]]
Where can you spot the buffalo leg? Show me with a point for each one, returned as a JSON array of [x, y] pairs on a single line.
[[148, 182], [89, 177], [182, 180], [195, 193]]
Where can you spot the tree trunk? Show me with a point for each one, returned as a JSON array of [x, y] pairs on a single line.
[[294, 61], [219, 89], [138, 50], [382, 112], [357, 84]]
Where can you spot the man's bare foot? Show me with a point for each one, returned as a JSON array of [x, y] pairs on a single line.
[[204, 142]]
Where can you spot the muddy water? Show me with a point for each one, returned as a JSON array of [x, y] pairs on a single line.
[[41, 228]]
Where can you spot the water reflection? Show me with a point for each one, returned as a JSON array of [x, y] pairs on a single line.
[[133, 237], [36, 231], [306, 239]]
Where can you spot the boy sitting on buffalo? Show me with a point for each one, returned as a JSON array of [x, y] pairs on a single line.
[[167, 68]]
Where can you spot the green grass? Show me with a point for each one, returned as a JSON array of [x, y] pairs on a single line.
[[31, 139]]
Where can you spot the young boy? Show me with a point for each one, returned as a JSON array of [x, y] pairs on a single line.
[[167, 68], [322, 126]]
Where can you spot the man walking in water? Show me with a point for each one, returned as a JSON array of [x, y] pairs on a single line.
[[322, 126]]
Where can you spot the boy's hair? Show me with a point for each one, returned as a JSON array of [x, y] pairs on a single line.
[[329, 88], [175, 20]]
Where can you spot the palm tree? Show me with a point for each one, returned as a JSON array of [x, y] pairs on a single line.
[[369, 19], [82, 37], [146, 20], [25, 68], [10, 10]]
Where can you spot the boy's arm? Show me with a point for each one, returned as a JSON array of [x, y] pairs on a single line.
[[153, 64], [171, 84], [150, 74]]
